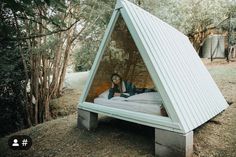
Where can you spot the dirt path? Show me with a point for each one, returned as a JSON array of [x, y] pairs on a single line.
[[113, 137]]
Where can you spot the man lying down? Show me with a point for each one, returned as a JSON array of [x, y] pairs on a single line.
[[125, 95]]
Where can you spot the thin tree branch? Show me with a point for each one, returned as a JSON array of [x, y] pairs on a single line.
[[86, 25], [25, 18], [40, 35]]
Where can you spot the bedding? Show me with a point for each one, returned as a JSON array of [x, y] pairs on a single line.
[[147, 98], [144, 103]]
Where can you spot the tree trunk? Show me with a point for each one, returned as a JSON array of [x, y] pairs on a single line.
[[27, 120], [56, 68], [65, 61]]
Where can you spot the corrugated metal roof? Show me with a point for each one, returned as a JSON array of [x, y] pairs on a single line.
[[189, 92]]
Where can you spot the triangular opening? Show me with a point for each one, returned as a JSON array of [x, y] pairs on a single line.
[[121, 56]]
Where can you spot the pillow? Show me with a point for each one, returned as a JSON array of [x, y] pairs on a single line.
[[104, 94]]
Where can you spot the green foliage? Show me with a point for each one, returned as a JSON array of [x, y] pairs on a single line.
[[18, 19], [97, 14], [12, 82], [188, 16], [84, 56]]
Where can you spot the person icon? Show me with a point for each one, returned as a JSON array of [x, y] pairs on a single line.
[[15, 144]]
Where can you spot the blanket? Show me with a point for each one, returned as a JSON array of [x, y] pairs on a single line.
[[147, 98]]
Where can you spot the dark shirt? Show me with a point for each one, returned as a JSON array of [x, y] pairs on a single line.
[[130, 89]]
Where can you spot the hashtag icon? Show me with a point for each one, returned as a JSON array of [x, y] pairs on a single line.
[[24, 142]]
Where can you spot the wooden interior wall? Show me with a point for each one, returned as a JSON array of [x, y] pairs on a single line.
[[121, 56]]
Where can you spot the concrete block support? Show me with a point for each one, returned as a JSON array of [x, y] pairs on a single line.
[[172, 144], [86, 119]]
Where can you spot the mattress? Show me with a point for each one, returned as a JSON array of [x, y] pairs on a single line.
[[149, 108]]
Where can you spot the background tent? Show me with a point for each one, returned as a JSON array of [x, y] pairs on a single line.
[[213, 47]]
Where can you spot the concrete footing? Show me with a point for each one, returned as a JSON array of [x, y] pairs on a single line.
[[86, 119], [172, 144]]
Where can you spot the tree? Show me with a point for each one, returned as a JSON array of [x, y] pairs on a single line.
[[91, 36], [35, 45], [45, 34], [13, 101]]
